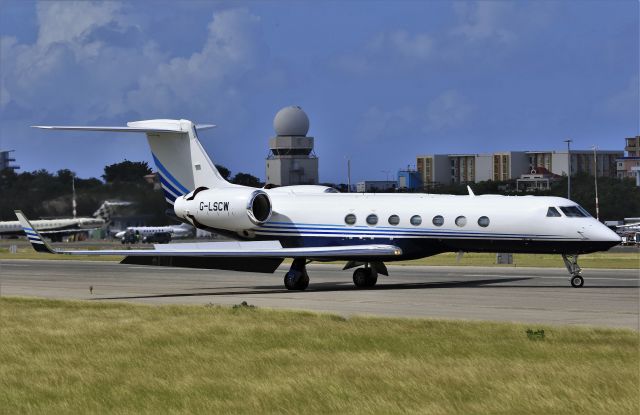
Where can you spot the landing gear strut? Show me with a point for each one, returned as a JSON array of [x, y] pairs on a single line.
[[296, 278], [571, 262], [365, 277]]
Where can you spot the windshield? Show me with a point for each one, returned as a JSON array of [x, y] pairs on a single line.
[[574, 212], [553, 212]]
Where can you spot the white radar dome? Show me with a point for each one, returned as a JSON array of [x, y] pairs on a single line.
[[291, 121]]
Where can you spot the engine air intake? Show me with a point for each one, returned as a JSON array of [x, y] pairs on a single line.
[[259, 207]]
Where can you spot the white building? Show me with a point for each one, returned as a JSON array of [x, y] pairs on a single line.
[[437, 169]]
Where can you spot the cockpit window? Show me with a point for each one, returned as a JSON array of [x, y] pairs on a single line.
[[583, 210], [553, 212], [573, 212]]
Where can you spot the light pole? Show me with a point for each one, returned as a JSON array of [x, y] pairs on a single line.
[[348, 175], [569, 141], [73, 194], [595, 178]]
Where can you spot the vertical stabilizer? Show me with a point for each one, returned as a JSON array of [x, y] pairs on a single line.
[[182, 163]]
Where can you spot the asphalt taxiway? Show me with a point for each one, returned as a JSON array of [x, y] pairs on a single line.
[[530, 295]]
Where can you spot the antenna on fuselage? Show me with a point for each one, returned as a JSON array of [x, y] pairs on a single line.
[[471, 194]]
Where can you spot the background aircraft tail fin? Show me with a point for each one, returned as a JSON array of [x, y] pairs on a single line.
[[36, 240]]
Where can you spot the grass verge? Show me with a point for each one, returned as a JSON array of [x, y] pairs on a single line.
[[79, 357]]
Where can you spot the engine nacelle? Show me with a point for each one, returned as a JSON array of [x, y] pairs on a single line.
[[233, 209]]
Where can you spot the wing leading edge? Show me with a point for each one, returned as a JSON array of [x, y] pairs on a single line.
[[267, 249]]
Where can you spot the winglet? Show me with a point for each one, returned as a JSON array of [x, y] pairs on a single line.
[[471, 194], [38, 243]]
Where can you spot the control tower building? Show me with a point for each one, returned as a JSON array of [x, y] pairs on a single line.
[[291, 159]]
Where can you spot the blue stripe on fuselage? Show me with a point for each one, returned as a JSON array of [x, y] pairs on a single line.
[[290, 228], [169, 176]]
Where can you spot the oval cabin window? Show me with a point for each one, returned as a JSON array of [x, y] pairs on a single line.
[[438, 220], [350, 219], [483, 221]]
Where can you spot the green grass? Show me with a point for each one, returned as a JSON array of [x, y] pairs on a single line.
[[80, 357]]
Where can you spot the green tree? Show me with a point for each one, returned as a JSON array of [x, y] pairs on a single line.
[[246, 179], [126, 171], [224, 172]]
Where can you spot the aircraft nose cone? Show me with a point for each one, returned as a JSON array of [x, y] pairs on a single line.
[[604, 234]]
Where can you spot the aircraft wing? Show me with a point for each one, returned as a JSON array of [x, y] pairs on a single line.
[[258, 249]]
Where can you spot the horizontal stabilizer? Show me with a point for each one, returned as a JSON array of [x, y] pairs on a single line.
[[112, 129], [145, 126]]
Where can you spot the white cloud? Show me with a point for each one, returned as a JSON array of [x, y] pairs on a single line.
[[448, 110], [89, 62], [231, 49], [74, 67], [403, 44], [484, 20], [71, 20], [389, 50]]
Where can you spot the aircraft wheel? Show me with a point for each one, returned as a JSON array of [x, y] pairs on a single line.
[[364, 278], [577, 281], [296, 280]]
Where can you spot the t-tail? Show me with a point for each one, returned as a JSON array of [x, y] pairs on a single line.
[[182, 163]]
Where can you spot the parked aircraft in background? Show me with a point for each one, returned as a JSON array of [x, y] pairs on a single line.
[[363, 229], [56, 229], [629, 227], [184, 230]]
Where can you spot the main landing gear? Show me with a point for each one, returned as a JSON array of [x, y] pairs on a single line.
[[571, 262], [365, 277], [297, 279]]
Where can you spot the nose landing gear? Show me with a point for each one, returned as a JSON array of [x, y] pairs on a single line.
[[297, 279], [571, 262]]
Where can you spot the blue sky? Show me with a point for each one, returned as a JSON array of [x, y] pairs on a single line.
[[380, 81]]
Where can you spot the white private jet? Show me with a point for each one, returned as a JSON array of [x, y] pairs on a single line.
[[55, 229], [363, 229], [184, 230]]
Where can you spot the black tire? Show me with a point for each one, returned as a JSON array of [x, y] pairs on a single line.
[[295, 280], [303, 282], [577, 281], [360, 278], [364, 278]]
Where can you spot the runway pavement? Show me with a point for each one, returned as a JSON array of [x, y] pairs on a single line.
[[530, 295]]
